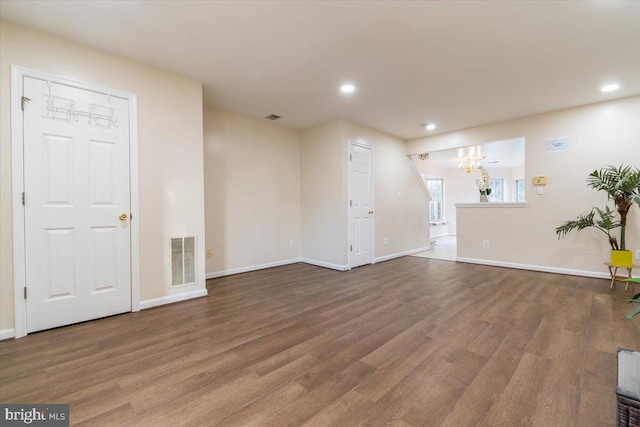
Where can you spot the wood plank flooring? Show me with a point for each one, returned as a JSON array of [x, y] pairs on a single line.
[[407, 342]]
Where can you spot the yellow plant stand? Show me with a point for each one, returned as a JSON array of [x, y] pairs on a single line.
[[613, 271]]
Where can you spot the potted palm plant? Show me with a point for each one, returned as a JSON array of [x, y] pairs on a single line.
[[622, 186]]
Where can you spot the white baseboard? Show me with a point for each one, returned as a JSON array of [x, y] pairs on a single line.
[[325, 264], [542, 268], [172, 298], [401, 254], [6, 334], [229, 272], [249, 268]]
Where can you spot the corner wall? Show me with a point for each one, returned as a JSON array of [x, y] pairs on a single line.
[[170, 152], [252, 193], [601, 134], [323, 195]]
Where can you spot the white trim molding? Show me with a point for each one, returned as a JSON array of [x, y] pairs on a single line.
[[401, 254], [326, 264], [17, 186], [7, 334], [169, 299], [249, 268], [541, 268], [257, 267], [493, 205]]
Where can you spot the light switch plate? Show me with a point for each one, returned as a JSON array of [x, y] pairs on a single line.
[[539, 180]]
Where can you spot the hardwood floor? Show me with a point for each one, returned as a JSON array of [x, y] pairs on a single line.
[[407, 342]]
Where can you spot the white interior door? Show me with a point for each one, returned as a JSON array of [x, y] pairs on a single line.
[[77, 205], [360, 205]]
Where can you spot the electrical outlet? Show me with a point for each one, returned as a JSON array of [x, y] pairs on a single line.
[[209, 253], [638, 254], [485, 244], [386, 240], [292, 243]]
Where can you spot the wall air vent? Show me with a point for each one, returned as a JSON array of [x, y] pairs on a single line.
[[183, 261], [273, 117]]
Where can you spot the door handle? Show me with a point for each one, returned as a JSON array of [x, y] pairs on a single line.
[[370, 212], [123, 217]]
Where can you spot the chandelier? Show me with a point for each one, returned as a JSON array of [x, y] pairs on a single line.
[[472, 160]]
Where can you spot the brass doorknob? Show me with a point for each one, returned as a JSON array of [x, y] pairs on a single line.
[[370, 212], [123, 216]]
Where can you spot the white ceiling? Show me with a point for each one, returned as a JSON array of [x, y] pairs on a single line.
[[458, 64]]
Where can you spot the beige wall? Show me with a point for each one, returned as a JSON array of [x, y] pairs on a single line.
[[170, 151], [323, 194], [601, 134], [400, 203], [252, 192]]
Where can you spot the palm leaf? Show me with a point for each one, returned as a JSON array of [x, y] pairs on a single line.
[[605, 223], [606, 220], [581, 222], [633, 312], [620, 181]]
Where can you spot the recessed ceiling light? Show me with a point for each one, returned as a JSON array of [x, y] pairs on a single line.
[[428, 126], [611, 87], [347, 88]]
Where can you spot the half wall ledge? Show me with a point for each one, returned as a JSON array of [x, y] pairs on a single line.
[[493, 205]]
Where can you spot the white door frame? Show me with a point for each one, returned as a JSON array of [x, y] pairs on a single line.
[[373, 198], [17, 186]]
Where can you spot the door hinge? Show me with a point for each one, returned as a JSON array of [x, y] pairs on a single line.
[[23, 198], [350, 248], [350, 156], [350, 201], [23, 101], [130, 215], [25, 292]]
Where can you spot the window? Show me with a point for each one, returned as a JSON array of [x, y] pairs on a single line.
[[520, 190], [496, 186], [435, 187]]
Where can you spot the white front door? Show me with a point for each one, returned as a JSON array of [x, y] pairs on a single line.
[[360, 205], [77, 204]]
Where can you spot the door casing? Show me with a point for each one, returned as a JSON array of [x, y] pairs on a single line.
[[17, 186], [373, 198]]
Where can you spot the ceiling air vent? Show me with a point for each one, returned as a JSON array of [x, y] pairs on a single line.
[[273, 117]]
